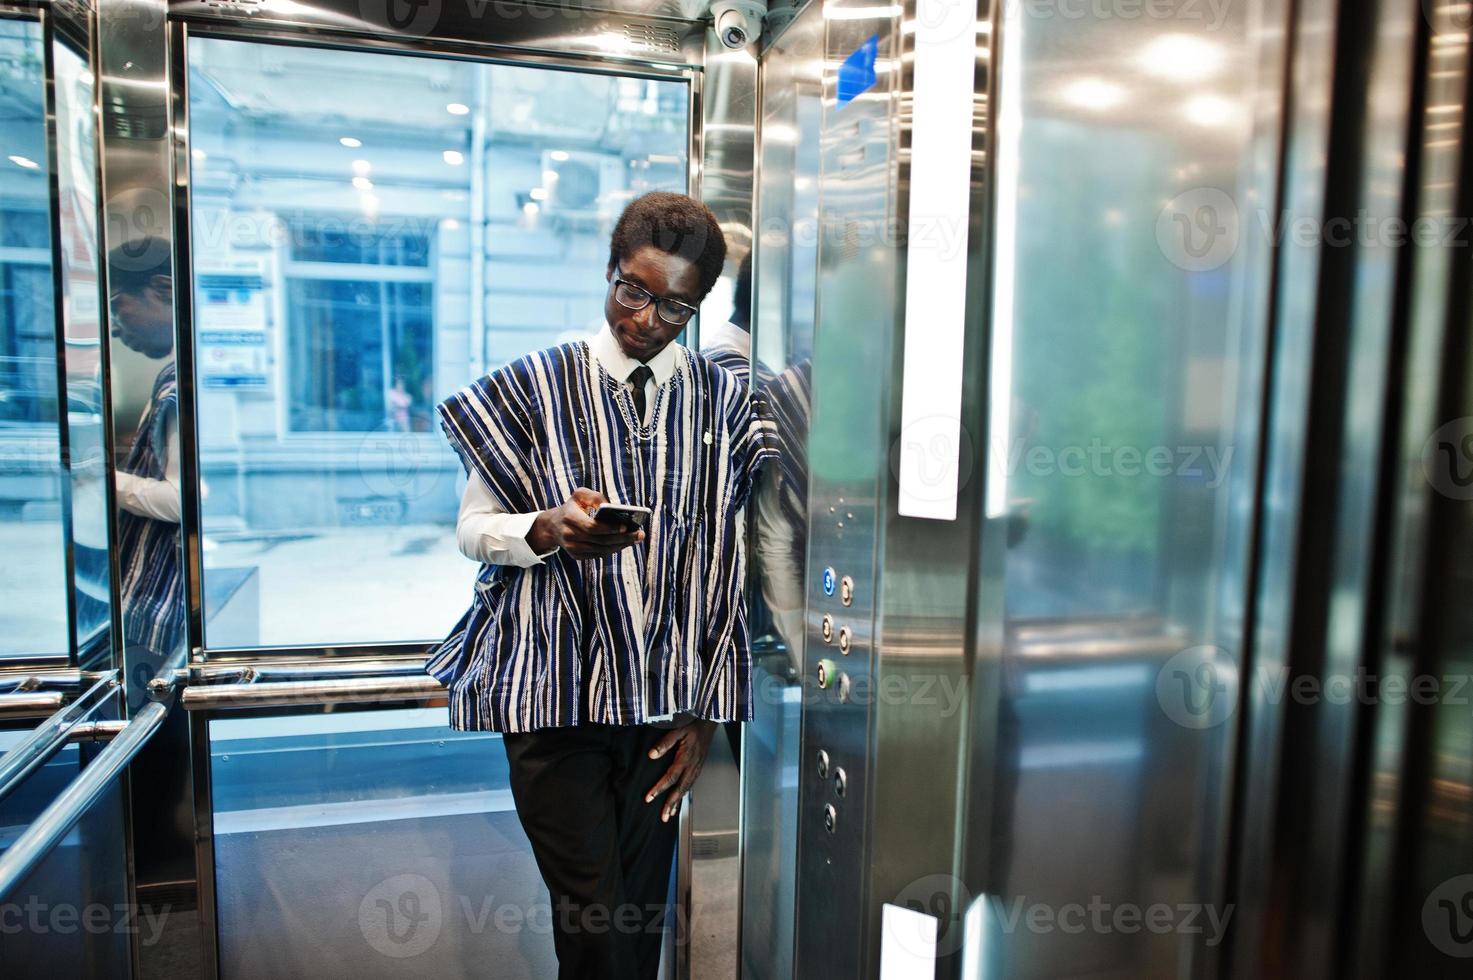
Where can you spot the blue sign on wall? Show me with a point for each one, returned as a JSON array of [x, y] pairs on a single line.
[[857, 73]]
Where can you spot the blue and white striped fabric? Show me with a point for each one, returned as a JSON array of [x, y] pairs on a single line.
[[657, 628], [152, 585]]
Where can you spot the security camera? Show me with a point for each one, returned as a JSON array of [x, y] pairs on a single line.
[[738, 22]]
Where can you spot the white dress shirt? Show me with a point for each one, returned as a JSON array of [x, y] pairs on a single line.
[[485, 532], [727, 335], [158, 499]]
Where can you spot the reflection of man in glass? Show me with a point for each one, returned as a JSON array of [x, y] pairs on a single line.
[[141, 296], [730, 344]]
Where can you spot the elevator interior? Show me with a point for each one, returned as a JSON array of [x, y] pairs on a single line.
[[1108, 459]]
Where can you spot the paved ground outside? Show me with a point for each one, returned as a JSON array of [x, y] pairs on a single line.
[[351, 585]]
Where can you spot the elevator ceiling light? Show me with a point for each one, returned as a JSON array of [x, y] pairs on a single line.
[[1093, 93], [549, 177], [363, 183], [611, 41], [25, 162], [351, 142], [362, 167], [538, 193], [457, 108], [1181, 57], [1209, 110], [559, 155], [369, 203], [530, 208], [198, 154], [453, 157]]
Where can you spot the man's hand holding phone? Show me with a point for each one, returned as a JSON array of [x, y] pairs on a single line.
[[572, 528]]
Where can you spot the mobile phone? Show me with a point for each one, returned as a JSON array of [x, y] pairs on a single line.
[[627, 516]]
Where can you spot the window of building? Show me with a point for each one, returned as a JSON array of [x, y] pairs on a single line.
[[370, 232], [361, 346]]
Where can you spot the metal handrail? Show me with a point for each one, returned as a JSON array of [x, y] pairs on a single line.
[[30, 704], [57, 819], [49, 736], [21, 681], [259, 671], [245, 694]]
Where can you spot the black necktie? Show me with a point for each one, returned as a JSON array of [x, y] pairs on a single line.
[[638, 378]]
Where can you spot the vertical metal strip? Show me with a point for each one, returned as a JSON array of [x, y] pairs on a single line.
[[190, 521], [105, 384], [204, 842], [58, 291], [723, 122]]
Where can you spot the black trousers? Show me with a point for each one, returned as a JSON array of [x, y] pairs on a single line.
[[602, 850]]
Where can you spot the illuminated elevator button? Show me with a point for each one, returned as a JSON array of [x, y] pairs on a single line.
[[844, 640], [827, 629], [830, 817], [846, 590], [827, 670], [823, 764], [830, 577]]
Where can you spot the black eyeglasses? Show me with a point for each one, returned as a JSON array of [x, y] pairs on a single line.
[[635, 297]]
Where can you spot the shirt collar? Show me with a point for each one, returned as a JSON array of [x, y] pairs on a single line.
[[727, 335], [606, 350]]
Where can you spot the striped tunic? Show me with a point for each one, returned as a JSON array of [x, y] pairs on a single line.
[[657, 628], [148, 550]]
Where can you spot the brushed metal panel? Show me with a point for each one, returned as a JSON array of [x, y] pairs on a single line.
[[858, 291], [785, 266], [641, 34], [1110, 610]]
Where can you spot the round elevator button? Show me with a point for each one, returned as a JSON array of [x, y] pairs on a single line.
[[830, 817]]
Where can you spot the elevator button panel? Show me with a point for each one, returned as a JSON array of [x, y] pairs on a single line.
[[828, 629]]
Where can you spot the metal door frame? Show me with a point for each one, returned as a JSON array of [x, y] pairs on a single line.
[[510, 46]]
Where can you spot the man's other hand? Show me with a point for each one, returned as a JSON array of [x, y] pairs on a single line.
[[690, 743], [572, 528]]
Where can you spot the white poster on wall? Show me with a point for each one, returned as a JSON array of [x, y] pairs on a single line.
[[230, 327]]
